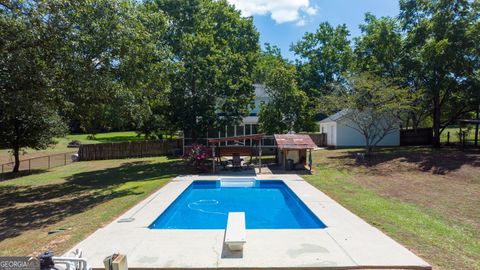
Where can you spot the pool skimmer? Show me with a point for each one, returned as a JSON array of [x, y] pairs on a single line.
[[123, 220]]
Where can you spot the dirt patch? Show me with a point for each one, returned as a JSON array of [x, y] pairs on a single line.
[[446, 181]]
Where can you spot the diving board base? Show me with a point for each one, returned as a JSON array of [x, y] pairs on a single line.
[[235, 233]]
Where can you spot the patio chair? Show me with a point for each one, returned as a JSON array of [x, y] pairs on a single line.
[[236, 161]]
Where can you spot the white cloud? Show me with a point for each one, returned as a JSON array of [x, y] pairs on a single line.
[[281, 11], [300, 22], [311, 10]]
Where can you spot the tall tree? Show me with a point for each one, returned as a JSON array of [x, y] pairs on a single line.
[[30, 38], [214, 53], [144, 69], [324, 56], [101, 63], [440, 49], [116, 54], [380, 50], [474, 34], [288, 109]]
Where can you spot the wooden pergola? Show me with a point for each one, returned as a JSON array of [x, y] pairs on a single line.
[[229, 150]]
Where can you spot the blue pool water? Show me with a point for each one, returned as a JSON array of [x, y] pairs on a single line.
[[267, 205]]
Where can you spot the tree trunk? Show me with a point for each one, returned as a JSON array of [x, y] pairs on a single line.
[[368, 146], [476, 126], [415, 122], [16, 146], [436, 119], [16, 154]]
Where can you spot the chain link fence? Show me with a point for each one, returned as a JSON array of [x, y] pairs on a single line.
[[37, 164]]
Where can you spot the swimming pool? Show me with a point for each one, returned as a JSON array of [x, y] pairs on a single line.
[[267, 205]]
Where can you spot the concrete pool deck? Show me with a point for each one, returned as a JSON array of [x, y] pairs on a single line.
[[348, 242]]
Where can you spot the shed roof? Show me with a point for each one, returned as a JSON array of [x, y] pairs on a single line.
[[294, 141], [336, 116]]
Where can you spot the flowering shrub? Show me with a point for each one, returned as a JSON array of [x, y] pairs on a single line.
[[197, 154]]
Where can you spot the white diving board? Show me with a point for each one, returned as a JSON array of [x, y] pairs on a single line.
[[235, 233]]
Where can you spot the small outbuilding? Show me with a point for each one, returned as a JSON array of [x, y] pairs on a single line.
[[293, 150], [341, 134]]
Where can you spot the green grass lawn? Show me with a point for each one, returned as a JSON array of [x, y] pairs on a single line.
[[79, 198], [424, 198], [425, 227], [62, 143], [454, 135]]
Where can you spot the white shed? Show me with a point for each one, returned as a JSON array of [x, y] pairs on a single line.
[[339, 132]]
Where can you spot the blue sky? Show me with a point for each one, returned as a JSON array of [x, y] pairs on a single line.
[[282, 22]]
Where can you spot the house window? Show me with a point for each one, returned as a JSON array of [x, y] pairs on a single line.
[[254, 129], [222, 133], [240, 132], [247, 129], [231, 133], [213, 133]]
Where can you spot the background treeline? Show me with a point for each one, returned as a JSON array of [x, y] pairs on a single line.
[[430, 51], [162, 66], [157, 66]]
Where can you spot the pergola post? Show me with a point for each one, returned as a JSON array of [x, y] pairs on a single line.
[[213, 157], [310, 159], [260, 153]]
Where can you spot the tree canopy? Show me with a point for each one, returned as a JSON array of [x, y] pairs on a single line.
[[156, 66], [288, 109], [440, 52], [430, 49], [162, 66], [30, 35], [214, 56], [324, 56]]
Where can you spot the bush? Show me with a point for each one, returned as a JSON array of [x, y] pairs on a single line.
[[197, 155]]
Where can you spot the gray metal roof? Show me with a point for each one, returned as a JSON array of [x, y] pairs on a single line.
[[335, 117]]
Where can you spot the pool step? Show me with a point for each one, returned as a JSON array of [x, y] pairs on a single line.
[[237, 182], [235, 233]]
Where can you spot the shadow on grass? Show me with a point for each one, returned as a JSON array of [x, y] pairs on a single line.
[[437, 161], [11, 175], [278, 169], [24, 208]]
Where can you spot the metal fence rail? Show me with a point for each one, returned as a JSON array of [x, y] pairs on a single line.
[[36, 164]]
